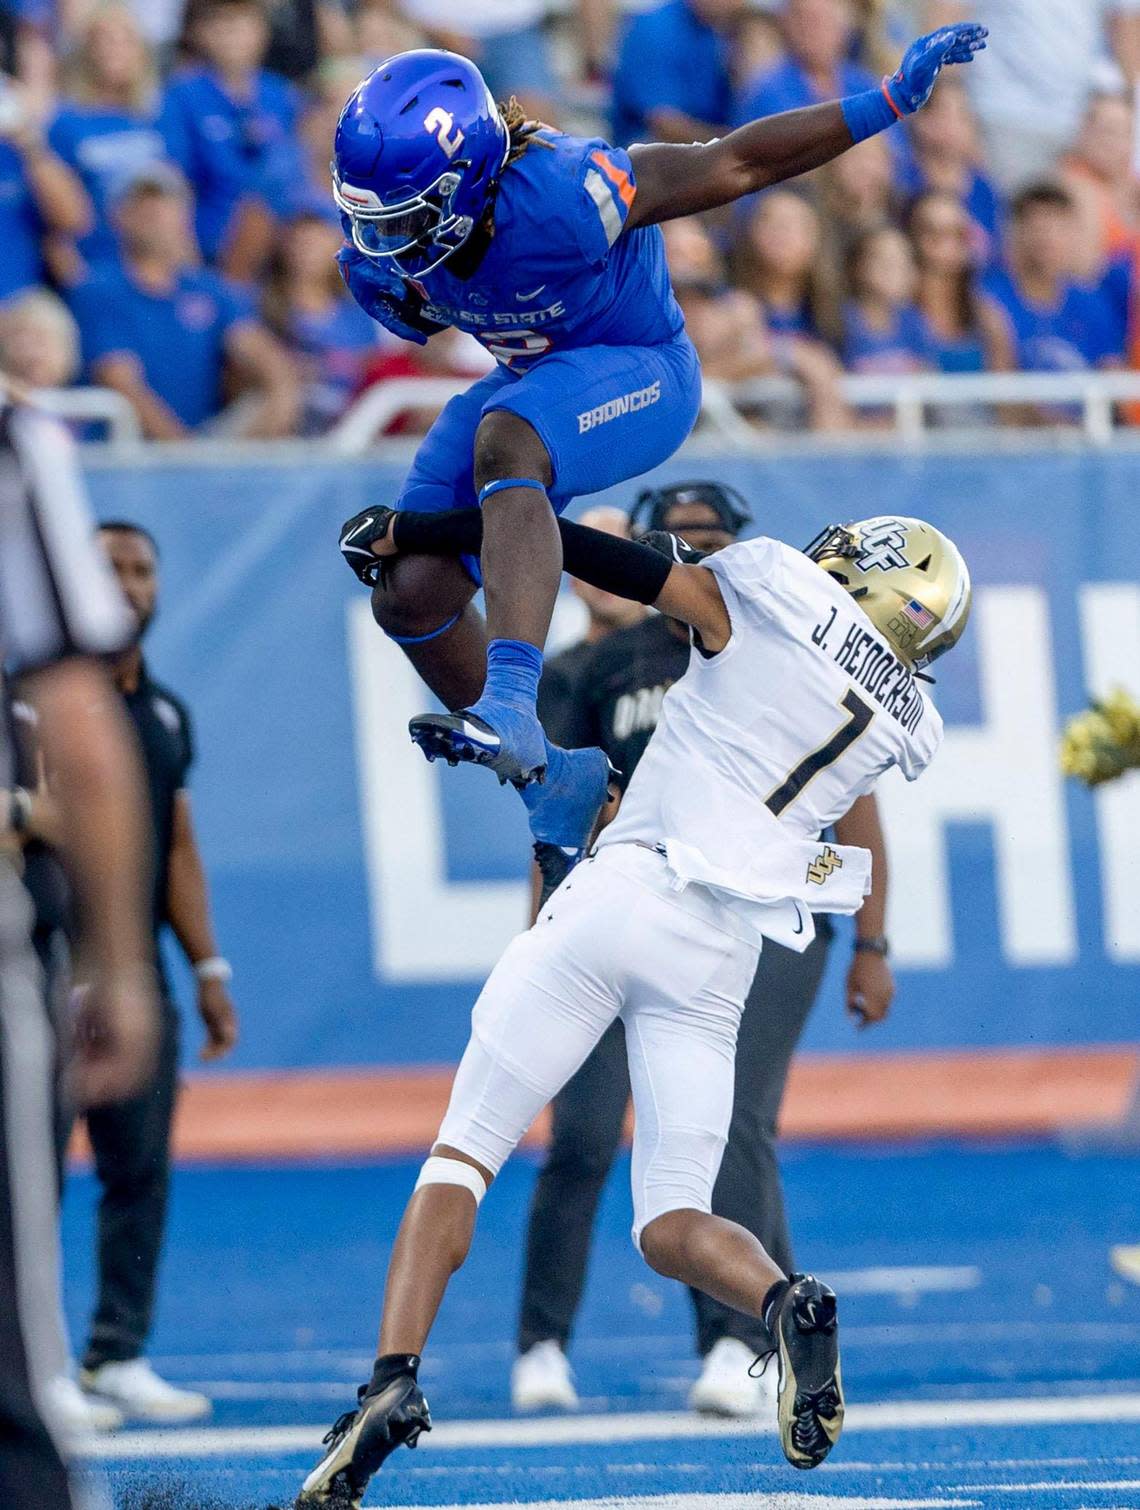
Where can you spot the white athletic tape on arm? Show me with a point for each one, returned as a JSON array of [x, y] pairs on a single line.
[[437, 1171]]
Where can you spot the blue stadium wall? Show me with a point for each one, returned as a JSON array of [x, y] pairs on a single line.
[[362, 895]]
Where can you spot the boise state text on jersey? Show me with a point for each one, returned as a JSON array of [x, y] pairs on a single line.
[[559, 273]]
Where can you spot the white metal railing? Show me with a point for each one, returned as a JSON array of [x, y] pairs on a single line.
[[95, 405], [379, 405], [910, 400], [914, 403]]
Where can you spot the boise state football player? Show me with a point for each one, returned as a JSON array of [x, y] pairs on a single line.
[[546, 248]]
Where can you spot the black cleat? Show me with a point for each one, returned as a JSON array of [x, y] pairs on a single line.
[[810, 1394], [360, 1442], [554, 865]]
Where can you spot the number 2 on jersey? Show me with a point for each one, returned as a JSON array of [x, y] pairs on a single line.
[[856, 724]]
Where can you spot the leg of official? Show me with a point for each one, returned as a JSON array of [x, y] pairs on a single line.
[[748, 1188], [588, 1114], [522, 549], [31, 1469]]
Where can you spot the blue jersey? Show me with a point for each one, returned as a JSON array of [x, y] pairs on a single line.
[[559, 275], [21, 265], [178, 339], [1083, 329], [229, 148], [904, 347], [107, 148], [670, 59]]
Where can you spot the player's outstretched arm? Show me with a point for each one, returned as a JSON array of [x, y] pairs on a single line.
[[673, 181], [660, 570]]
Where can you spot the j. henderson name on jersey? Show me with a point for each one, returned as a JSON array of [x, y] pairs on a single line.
[[868, 663]]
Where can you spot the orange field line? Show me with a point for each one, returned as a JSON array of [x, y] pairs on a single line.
[[361, 1113]]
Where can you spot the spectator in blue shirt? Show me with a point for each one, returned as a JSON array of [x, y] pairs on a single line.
[[967, 329], [310, 311], [105, 128], [782, 259], [40, 196], [173, 336], [817, 34], [672, 81], [884, 332], [944, 142], [1057, 325], [231, 126]]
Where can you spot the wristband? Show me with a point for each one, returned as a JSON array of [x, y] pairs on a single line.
[[879, 946], [869, 113], [214, 968], [19, 810]]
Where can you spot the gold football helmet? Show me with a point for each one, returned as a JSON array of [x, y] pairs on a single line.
[[907, 577]]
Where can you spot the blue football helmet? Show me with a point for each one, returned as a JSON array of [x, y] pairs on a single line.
[[417, 152]]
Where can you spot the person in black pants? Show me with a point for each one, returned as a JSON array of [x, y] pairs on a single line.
[[612, 698], [131, 1140], [60, 616]]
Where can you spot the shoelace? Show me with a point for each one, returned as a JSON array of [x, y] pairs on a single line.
[[342, 1423]]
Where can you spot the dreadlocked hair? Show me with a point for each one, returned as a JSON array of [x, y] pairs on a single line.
[[520, 130]]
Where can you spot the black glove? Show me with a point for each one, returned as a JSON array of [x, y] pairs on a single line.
[[667, 544], [356, 537]]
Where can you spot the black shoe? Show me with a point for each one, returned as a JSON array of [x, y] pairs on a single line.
[[361, 1440], [810, 1396]]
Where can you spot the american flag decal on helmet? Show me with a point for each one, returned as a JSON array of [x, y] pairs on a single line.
[[917, 614]]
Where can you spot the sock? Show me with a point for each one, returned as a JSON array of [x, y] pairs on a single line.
[[513, 671], [772, 1302], [391, 1366]]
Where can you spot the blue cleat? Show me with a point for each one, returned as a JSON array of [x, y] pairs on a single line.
[[501, 735], [564, 810]]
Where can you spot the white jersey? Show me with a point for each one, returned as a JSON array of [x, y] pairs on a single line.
[[762, 746]]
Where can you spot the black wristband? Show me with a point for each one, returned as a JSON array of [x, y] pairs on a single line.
[[19, 810], [623, 567], [878, 946], [455, 532]]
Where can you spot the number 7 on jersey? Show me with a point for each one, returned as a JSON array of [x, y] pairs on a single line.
[[857, 723]]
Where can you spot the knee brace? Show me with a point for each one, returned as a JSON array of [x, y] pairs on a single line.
[[432, 634], [443, 1171]]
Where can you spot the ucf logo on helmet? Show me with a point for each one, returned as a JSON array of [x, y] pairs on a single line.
[[883, 547]]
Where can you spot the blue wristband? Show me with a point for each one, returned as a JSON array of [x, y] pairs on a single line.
[[869, 113]]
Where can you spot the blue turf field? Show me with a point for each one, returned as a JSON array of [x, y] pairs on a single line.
[[995, 1363]]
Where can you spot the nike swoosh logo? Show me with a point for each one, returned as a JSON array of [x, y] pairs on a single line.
[[799, 918], [534, 293]]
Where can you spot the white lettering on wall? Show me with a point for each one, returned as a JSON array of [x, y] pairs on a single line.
[[1004, 772]]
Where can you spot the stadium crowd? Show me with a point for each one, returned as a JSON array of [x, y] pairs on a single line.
[[167, 230]]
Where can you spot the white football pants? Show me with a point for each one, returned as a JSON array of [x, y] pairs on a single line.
[[615, 941]]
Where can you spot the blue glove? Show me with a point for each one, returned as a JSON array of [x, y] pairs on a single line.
[[910, 88], [383, 294]]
